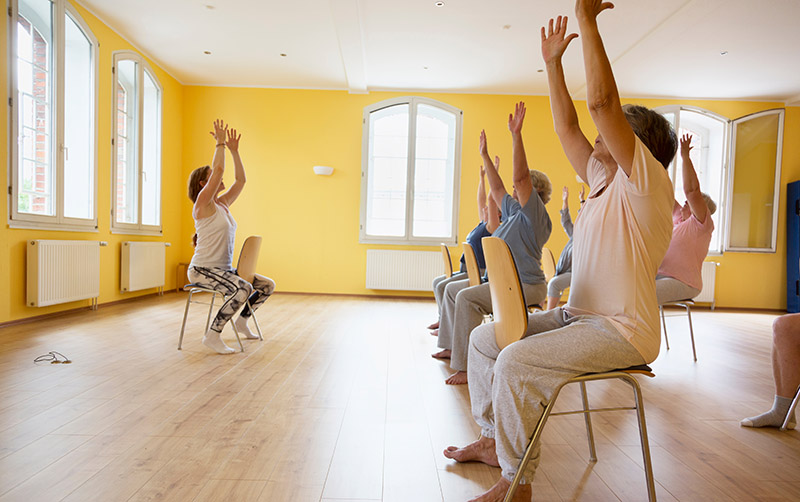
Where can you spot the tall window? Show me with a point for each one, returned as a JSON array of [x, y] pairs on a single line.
[[53, 154], [738, 165], [410, 164], [137, 146]]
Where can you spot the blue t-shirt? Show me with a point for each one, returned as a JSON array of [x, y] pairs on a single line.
[[474, 239], [526, 230]]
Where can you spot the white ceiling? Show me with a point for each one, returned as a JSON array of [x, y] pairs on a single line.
[[658, 48]]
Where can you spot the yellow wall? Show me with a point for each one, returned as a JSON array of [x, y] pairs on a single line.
[[310, 223], [13, 241]]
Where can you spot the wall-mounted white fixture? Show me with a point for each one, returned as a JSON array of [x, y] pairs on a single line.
[[323, 170]]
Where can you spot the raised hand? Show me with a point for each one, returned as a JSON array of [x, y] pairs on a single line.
[[515, 121], [484, 149], [220, 128], [556, 40], [565, 194], [233, 140], [686, 144], [590, 9]]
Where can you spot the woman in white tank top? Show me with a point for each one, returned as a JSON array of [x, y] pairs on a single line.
[[212, 263]]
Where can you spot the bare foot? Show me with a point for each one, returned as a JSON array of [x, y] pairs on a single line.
[[435, 332], [457, 378], [498, 492], [481, 450], [442, 354], [434, 325]]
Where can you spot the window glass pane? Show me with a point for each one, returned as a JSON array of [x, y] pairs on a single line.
[[387, 171], [708, 155], [434, 172], [151, 153], [36, 173], [126, 194], [755, 163], [78, 125]]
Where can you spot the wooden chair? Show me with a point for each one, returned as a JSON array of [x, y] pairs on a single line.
[[473, 270], [548, 264], [245, 268], [687, 304], [448, 263], [511, 323]]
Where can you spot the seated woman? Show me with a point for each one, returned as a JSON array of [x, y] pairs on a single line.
[[526, 228], [611, 318], [212, 263], [490, 220], [680, 274], [560, 281], [785, 372]]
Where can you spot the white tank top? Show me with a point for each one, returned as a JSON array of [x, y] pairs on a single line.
[[215, 237]]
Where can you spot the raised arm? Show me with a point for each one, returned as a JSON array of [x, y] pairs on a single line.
[[565, 118], [566, 218], [492, 209], [521, 173], [482, 210], [497, 190], [691, 186], [602, 96], [210, 189], [240, 179]]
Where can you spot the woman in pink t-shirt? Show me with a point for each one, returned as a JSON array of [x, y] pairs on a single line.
[[679, 276]]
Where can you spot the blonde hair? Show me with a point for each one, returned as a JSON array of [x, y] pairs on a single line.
[[541, 185], [712, 206], [195, 181]]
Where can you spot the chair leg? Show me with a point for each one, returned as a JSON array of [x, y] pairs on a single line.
[[664, 323], [587, 417], [255, 321], [183, 325], [648, 464], [236, 332], [792, 407], [210, 311], [537, 432], [691, 330]]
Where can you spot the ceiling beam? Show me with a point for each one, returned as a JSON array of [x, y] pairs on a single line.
[[346, 16]]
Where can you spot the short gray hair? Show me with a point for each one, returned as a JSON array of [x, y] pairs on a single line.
[[541, 185]]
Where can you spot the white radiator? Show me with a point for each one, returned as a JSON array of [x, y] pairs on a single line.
[[62, 271], [143, 265], [403, 270], [709, 274]]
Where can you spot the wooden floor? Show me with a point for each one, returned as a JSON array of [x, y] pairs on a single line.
[[342, 402]]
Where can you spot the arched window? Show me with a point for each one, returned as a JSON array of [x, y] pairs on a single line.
[[137, 146], [410, 168], [53, 173]]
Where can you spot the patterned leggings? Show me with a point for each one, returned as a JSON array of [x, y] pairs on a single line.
[[235, 288]]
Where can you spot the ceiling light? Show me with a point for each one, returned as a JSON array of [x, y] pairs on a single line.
[[207, 53], [283, 54], [540, 70], [210, 7], [424, 67], [507, 27], [723, 53], [439, 4]]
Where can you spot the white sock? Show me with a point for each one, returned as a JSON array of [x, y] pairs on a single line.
[[241, 327], [215, 343], [774, 417]]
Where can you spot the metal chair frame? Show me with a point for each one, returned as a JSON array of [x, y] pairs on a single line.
[[687, 304], [792, 407]]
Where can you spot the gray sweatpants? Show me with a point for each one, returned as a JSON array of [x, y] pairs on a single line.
[[510, 389], [669, 289], [558, 284], [441, 282], [463, 309]]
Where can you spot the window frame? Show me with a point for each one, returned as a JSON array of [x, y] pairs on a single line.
[[58, 221], [142, 66], [408, 239]]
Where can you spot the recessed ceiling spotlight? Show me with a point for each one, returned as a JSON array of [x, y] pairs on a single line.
[[424, 67], [507, 27], [439, 4], [283, 54], [540, 70], [207, 53], [723, 53], [210, 7]]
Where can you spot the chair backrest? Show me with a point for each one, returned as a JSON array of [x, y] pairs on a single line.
[[508, 302], [248, 258], [473, 271], [548, 264], [448, 263]]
